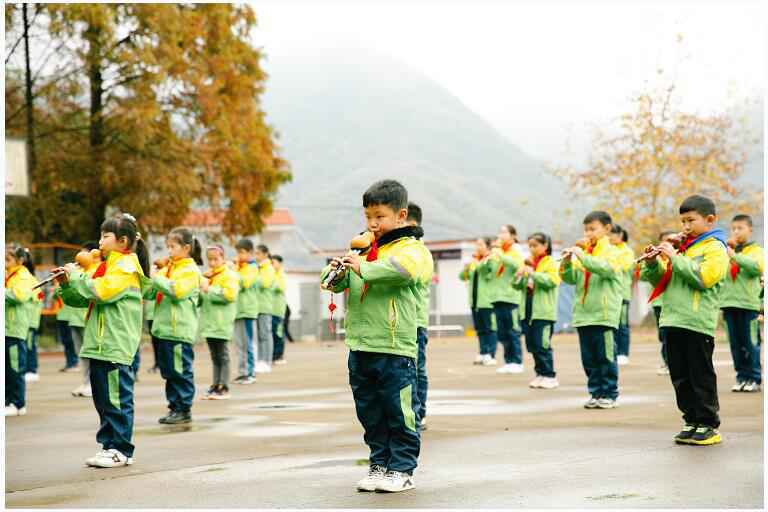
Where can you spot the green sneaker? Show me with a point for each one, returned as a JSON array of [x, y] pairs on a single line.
[[686, 435]]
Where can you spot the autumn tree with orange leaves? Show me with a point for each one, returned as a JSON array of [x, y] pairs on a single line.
[[146, 108], [659, 156]]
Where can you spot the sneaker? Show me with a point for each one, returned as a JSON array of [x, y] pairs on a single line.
[[177, 418], [86, 391], [11, 410], [248, 380], [262, 367], [423, 424], [503, 369], [739, 386], [622, 360], [489, 361], [751, 387], [516, 368], [77, 391], [208, 392], [705, 436], [606, 403], [220, 394], [71, 369], [164, 419], [90, 461], [686, 434], [591, 403], [662, 370], [239, 379], [109, 459], [370, 482], [479, 358], [548, 383], [280, 362], [395, 481], [31, 377], [536, 383]]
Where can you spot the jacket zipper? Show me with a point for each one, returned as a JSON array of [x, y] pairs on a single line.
[[100, 329], [696, 298], [173, 318], [605, 307], [392, 319]]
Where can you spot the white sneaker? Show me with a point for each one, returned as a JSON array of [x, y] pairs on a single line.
[[516, 368], [371, 481], [548, 383], [395, 481], [77, 391], [503, 369], [606, 403], [751, 387], [479, 358], [11, 410], [109, 459], [489, 361], [536, 383], [622, 360], [280, 362], [591, 403], [662, 370], [86, 391], [31, 377], [739, 386]]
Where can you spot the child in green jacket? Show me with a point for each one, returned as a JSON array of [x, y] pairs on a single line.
[[380, 323], [596, 273], [503, 263], [244, 334], [175, 290], [479, 275], [112, 331], [740, 302], [689, 280], [539, 280], [619, 238], [35, 310], [265, 284], [279, 306], [18, 294], [218, 307]]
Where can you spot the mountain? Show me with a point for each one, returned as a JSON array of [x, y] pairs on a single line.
[[347, 118]]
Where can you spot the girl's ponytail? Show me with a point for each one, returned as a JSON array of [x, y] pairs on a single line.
[[27, 261], [142, 253], [197, 251]]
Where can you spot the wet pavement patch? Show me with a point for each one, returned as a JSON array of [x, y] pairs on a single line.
[[333, 463], [622, 496]]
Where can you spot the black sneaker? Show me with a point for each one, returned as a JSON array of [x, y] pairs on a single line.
[[165, 418], [685, 435], [178, 418], [705, 436]]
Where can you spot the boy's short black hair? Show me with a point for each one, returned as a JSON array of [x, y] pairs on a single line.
[[277, 257], [702, 205], [743, 217], [598, 215], [387, 193], [414, 213], [263, 248], [244, 244]]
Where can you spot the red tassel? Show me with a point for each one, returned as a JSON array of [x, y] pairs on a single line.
[[331, 308]]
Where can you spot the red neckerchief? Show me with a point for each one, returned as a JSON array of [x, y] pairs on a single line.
[[735, 268], [587, 274], [7, 279], [535, 265], [373, 255], [504, 247], [159, 296], [100, 271], [667, 277], [222, 269]]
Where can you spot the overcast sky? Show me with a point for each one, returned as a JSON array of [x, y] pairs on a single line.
[[543, 73]]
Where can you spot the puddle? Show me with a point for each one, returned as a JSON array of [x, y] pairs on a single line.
[[335, 463], [171, 429], [211, 470], [490, 407], [296, 406], [287, 430], [623, 496]]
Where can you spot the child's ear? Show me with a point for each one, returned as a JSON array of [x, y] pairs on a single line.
[[402, 214], [711, 218]]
